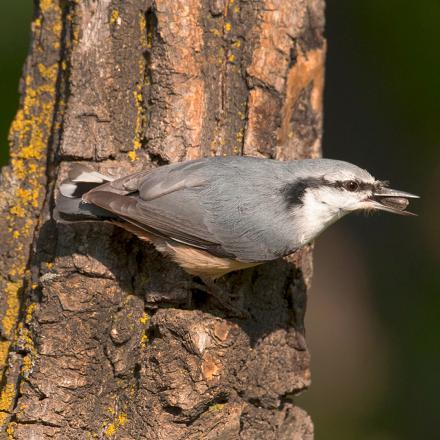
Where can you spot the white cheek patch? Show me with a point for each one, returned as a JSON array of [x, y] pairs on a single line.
[[332, 197], [339, 199], [315, 215]]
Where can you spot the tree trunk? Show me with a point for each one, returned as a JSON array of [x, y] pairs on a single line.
[[98, 336]]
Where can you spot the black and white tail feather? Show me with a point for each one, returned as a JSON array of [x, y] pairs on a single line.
[[70, 206]]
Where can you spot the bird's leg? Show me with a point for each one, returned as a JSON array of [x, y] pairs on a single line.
[[299, 303], [212, 289], [244, 285]]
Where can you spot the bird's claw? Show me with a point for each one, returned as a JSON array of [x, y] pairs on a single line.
[[218, 295]]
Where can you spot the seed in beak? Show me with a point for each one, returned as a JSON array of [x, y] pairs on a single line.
[[399, 203]]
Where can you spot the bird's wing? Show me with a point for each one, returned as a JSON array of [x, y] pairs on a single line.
[[151, 184], [164, 202]]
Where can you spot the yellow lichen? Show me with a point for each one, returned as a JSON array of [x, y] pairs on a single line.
[[18, 211], [7, 397], [138, 97], [149, 36], [10, 430], [231, 58], [4, 351], [28, 196], [3, 417], [17, 271], [10, 317], [31, 309], [114, 17], [142, 25], [144, 340], [45, 5], [122, 419], [216, 407], [144, 319], [111, 429], [51, 8], [215, 32], [240, 135], [24, 342], [27, 366], [57, 28], [48, 72], [228, 27], [29, 135]]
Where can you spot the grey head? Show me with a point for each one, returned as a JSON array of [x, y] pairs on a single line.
[[333, 188]]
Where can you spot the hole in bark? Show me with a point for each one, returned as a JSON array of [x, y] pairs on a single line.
[[199, 298], [287, 398], [255, 402], [292, 275], [174, 410], [151, 36], [150, 27], [158, 159], [153, 333], [292, 56], [311, 37], [137, 374], [220, 399]]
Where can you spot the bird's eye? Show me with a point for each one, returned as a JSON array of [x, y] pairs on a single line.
[[351, 185]]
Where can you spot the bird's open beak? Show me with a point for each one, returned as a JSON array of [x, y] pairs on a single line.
[[392, 200]]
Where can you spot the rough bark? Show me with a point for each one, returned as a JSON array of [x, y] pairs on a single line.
[[98, 339]]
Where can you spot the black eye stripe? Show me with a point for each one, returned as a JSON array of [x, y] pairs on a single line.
[[293, 192], [361, 186], [350, 185]]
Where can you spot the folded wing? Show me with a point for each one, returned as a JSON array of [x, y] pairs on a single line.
[[165, 202]]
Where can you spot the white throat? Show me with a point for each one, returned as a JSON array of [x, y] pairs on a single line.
[[314, 216]]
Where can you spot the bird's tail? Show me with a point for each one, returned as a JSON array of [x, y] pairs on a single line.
[[70, 207]]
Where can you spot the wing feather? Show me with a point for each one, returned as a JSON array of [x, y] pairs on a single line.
[[158, 221]]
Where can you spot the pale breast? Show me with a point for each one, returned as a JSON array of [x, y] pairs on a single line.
[[201, 263], [194, 261]]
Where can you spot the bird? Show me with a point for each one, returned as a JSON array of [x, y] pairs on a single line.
[[216, 215]]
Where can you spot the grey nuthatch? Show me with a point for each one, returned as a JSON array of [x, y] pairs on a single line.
[[216, 215]]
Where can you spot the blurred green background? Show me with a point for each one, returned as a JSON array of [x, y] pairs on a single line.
[[373, 320], [14, 42]]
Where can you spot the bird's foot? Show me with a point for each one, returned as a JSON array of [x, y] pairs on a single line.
[[300, 340], [299, 303], [218, 295]]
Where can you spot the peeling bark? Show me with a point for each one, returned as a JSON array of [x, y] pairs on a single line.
[[97, 336]]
